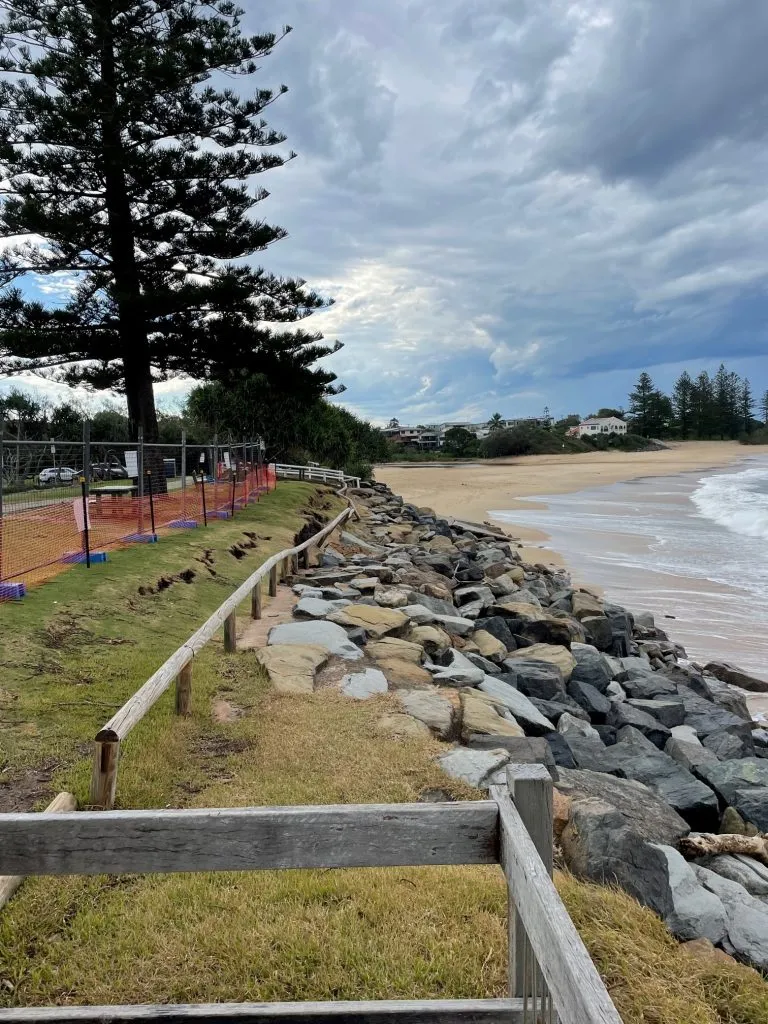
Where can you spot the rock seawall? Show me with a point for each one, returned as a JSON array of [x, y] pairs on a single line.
[[507, 661]]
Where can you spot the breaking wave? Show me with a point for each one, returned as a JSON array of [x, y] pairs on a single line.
[[736, 501]]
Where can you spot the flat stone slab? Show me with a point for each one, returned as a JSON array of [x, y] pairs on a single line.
[[483, 716], [553, 654], [291, 667], [473, 766], [429, 707], [394, 647], [365, 684], [400, 672], [402, 727], [523, 711], [376, 621], [316, 608], [316, 632]]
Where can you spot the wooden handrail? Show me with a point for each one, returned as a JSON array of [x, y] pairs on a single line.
[[560, 975], [109, 737]]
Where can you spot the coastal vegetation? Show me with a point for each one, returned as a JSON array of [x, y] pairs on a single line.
[[700, 407]]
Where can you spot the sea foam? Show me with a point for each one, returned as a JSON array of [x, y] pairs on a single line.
[[736, 501]]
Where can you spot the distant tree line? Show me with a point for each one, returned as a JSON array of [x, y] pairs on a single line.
[[294, 428], [703, 407]]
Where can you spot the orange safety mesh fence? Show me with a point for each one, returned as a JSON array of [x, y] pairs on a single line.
[[43, 536]]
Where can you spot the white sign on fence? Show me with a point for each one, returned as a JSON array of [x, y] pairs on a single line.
[[227, 463], [77, 507], [132, 463]]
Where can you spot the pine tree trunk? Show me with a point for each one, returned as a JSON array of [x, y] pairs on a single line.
[[132, 327]]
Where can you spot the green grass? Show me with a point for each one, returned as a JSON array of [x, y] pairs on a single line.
[[78, 646]]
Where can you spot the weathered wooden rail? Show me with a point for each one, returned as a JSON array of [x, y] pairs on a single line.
[[178, 667], [551, 976], [314, 474]]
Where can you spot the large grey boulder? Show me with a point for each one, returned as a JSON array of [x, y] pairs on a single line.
[[726, 777], [521, 750], [624, 713], [591, 700], [429, 707], [670, 886], [745, 870], [641, 685], [752, 805], [497, 626], [668, 710], [599, 631], [728, 747], [365, 684], [736, 676], [598, 844], [591, 667], [316, 608], [635, 757], [474, 767], [708, 718], [689, 755], [539, 679], [524, 712], [561, 751], [317, 633], [569, 725], [434, 604], [746, 920], [650, 817]]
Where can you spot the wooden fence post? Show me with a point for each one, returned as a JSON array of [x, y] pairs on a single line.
[[273, 581], [256, 601], [230, 633], [106, 755], [530, 788], [184, 691]]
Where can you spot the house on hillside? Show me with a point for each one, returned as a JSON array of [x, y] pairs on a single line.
[[595, 426]]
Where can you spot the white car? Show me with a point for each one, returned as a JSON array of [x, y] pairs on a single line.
[[60, 474]]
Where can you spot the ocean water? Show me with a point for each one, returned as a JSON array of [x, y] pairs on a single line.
[[691, 548]]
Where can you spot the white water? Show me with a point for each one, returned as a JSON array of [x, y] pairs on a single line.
[[692, 548]]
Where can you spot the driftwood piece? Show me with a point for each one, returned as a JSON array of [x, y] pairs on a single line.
[[705, 844]]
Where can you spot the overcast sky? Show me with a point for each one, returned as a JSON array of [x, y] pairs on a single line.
[[523, 203]]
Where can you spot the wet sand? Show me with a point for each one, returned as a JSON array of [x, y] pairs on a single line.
[[475, 490]]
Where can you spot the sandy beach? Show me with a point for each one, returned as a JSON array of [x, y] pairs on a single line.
[[473, 491]]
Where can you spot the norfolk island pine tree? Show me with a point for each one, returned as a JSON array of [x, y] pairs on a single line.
[[128, 169]]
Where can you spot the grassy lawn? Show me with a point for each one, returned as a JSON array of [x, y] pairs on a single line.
[[76, 648]]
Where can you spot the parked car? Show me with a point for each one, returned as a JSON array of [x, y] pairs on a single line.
[[58, 474]]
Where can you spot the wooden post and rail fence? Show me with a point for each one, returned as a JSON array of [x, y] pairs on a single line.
[[178, 668], [551, 976]]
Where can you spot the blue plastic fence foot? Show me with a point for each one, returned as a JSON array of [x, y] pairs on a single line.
[[79, 556], [183, 524], [143, 538], [12, 591], [220, 514]]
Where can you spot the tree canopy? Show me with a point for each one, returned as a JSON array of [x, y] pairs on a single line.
[[130, 169]]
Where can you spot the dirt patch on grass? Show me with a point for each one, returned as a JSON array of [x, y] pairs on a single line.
[[22, 791], [221, 746], [223, 711]]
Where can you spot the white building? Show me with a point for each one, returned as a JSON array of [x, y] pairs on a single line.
[[608, 425]]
